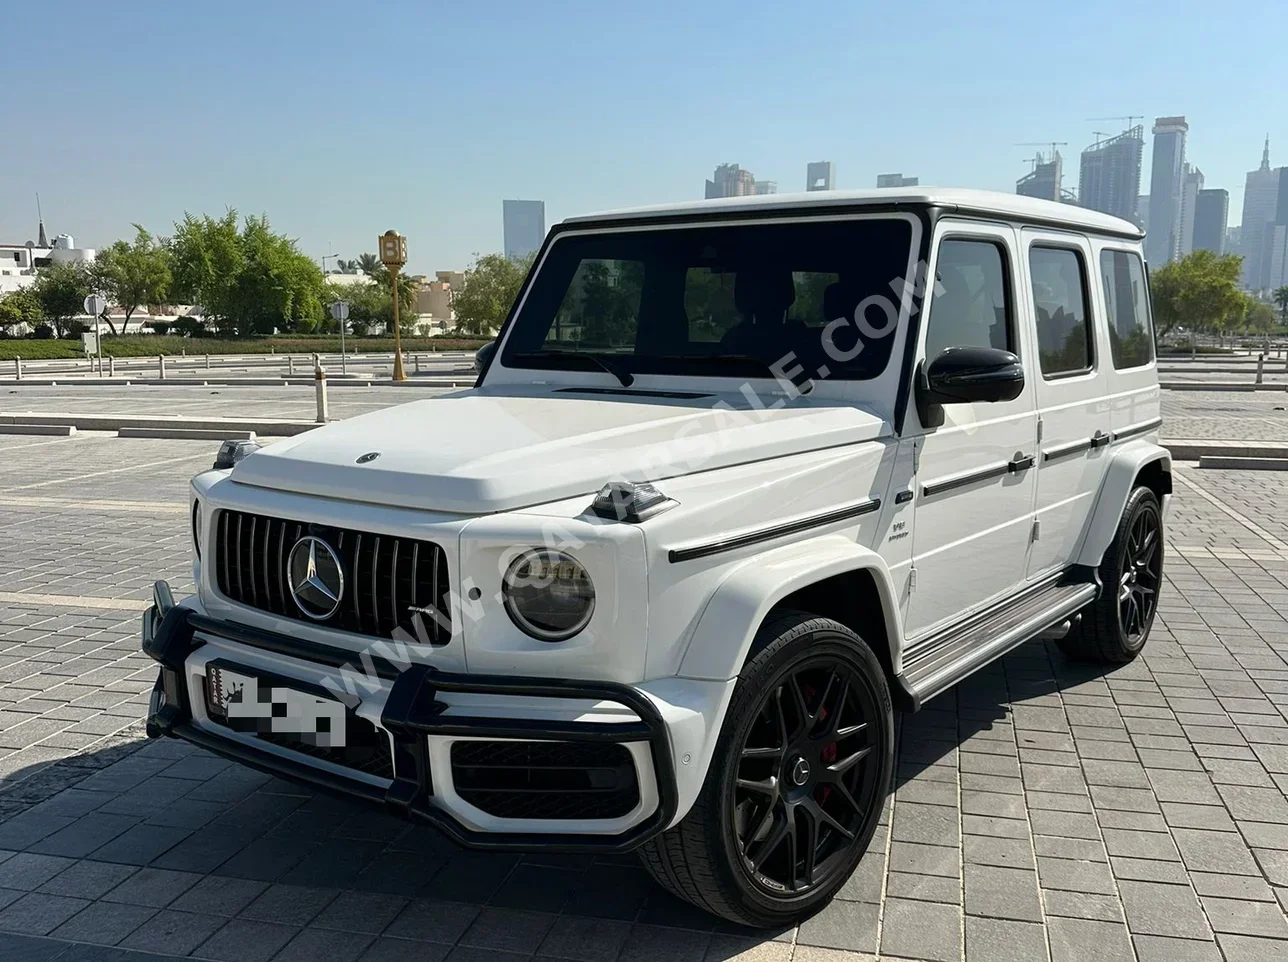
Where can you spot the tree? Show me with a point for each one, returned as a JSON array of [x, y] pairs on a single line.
[[20, 307], [61, 289], [491, 286], [1280, 295], [348, 266], [1201, 290], [1258, 317], [132, 275], [368, 264], [371, 306], [248, 280]]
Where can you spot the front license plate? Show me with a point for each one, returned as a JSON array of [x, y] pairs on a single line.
[[255, 705]]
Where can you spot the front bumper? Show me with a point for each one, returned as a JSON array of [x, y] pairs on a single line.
[[415, 718]]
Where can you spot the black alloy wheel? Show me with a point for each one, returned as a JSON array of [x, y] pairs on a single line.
[[796, 783], [1113, 629], [806, 778], [1142, 570]]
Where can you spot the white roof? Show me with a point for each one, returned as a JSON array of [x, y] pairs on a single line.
[[1007, 206]]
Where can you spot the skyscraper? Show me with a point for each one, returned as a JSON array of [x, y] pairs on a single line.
[[524, 226], [730, 180], [1109, 175], [766, 186], [1274, 247], [1211, 212], [820, 175], [1163, 232], [1191, 184], [1260, 207], [896, 180], [1044, 180]]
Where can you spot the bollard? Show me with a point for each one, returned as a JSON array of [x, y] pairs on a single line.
[[161, 359], [111, 367], [319, 381], [1261, 363], [207, 362], [290, 364], [17, 368], [344, 363], [417, 359]]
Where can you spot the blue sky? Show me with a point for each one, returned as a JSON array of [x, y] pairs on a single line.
[[342, 120]]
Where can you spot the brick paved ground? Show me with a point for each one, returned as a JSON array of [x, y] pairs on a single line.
[[1043, 810]]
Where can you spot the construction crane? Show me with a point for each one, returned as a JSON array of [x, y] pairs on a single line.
[[1053, 144], [1130, 118]]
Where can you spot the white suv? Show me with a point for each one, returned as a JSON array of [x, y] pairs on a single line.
[[741, 478]]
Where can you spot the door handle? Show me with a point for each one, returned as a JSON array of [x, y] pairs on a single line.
[[1023, 463], [1100, 439]]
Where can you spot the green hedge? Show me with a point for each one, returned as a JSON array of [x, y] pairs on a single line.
[[152, 345]]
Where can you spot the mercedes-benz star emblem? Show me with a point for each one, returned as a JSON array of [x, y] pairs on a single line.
[[316, 578], [368, 457], [800, 771]]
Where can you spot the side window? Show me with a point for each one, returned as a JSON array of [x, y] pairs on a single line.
[[1131, 336], [971, 306], [1060, 306]]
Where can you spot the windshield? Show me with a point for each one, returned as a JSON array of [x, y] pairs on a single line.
[[728, 301]]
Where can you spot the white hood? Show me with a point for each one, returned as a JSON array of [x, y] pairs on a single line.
[[480, 452]]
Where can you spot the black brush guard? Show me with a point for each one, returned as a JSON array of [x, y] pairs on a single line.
[[412, 712]]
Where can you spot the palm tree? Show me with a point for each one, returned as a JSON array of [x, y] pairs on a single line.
[[348, 266], [369, 263], [1280, 295]]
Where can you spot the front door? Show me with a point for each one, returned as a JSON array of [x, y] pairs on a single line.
[[974, 480]]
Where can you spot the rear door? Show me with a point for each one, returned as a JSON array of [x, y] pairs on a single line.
[[1062, 316]]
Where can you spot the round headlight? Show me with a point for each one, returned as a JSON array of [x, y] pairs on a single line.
[[548, 594], [196, 527]]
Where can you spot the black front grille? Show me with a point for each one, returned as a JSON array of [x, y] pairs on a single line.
[[389, 582], [576, 780]]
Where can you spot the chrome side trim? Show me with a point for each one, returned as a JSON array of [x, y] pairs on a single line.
[[951, 481], [1143, 428], [1066, 450], [676, 555]]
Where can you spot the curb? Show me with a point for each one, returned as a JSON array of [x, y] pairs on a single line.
[[42, 430], [189, 434], [1220, 386], [1245, 464], [114, 422], [1191, 450], [184, 380]]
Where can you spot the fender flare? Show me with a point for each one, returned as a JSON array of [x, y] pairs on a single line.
[[720, 642], [1120, 479]]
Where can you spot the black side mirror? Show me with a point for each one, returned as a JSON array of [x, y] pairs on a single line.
[[963, 374]]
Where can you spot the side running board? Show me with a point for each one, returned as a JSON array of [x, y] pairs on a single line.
[[940, 662]]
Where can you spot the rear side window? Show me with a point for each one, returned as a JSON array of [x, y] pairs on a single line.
[[1060, 306], [1131, 335], [971, 306]]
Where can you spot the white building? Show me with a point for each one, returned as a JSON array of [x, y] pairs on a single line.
[[1191, 186], [18, 262]]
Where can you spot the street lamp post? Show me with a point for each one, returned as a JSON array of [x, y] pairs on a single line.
[[393, 254]]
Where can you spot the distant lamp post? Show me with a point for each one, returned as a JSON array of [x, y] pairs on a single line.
[[393, 254]]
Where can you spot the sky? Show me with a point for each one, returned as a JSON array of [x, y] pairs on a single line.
[[340, 121]]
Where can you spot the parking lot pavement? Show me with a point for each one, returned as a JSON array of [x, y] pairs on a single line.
[[1044, 810], [193, 400]]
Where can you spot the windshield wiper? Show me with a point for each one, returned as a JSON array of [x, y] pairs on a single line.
[[626, 378]]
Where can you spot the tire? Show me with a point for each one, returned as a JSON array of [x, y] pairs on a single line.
[[1109, 633], [823, 759]]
